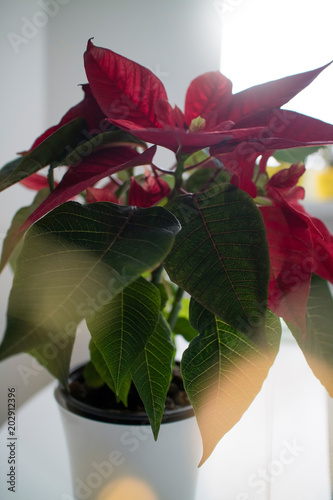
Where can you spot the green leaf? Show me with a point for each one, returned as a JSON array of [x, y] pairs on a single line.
[[114, 138], [317, 346], [50, 150], [12, 240], [184, 308], [74, 261], [104, 372], [202, 177], [223, 371], [9, 168], [92, 377], [220, 256], [195, 158], [184, 328], [122, 328], [152, 373], [294, 155]]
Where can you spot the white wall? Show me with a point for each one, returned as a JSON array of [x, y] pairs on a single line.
[[178, 40]]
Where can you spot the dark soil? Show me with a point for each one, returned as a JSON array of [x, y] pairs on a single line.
[[104, 398]]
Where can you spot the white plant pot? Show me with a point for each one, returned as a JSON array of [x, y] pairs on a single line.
[[115, 457]]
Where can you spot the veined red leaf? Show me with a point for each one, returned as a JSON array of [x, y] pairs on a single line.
[[322, 249], [207, 94], [179, 139], [35, 181], [152, 191], [242, 167], [287, 177], [304, 129], [123, 88], [98, 165], [100, 194], [165, 113], [245, 184], [274, 94], [291, 205], [291, 258]]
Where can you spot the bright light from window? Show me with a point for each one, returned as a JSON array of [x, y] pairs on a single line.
[[264, 40]]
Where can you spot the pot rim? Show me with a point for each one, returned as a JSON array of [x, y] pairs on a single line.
[[73, 405]]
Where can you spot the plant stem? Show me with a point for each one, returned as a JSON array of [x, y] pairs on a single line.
[[178, 173], [50, 178], [172, 318]]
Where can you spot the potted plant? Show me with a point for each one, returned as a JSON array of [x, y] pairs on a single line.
[[118, 239]]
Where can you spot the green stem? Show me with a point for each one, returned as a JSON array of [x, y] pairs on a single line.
[[177, 303], [178, 179], [50, 179]]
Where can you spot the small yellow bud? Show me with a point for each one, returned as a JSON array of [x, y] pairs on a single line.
[[197, 124]]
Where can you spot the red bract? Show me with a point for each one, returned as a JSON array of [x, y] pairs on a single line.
[[152, 191], [322, 258], [299, 245], [134, 99], [242, 168], [100, 194], [209, 96], [89, 171], [291, 252], [35, 182], [126, 90], [288, 177], [283, 189]]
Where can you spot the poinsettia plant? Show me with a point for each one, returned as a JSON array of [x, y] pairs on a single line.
[[115, 239]]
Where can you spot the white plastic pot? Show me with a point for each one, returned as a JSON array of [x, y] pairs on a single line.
[[115, 457]]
